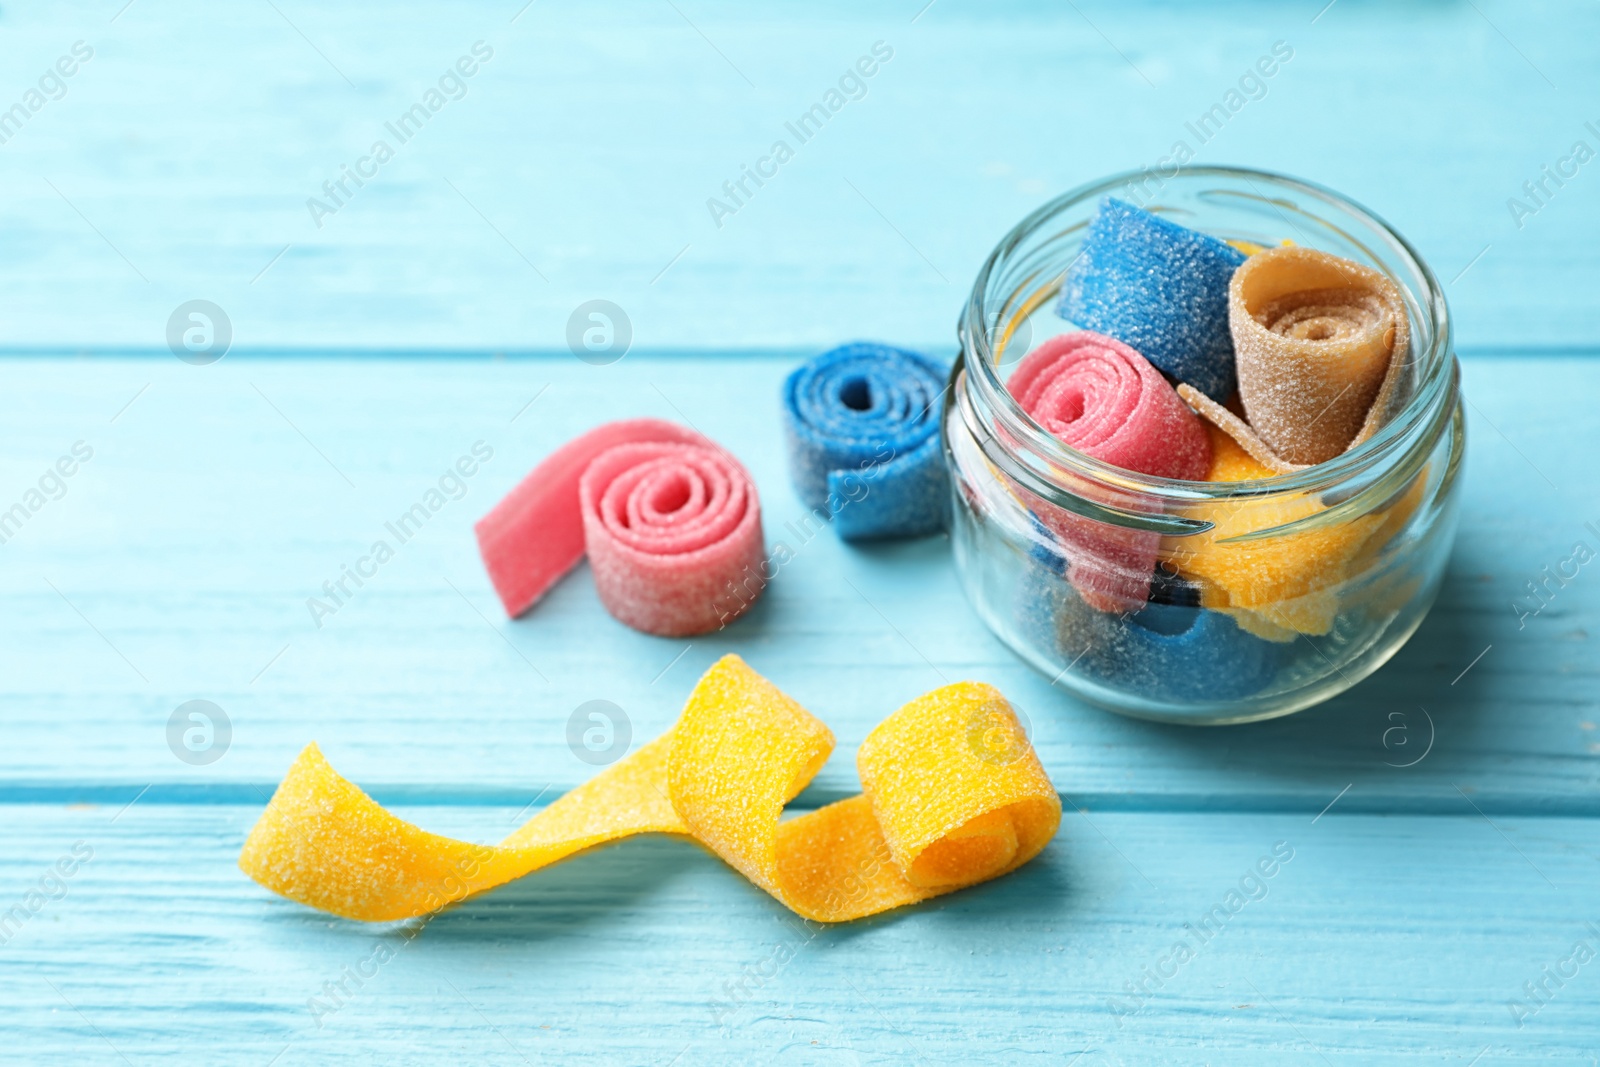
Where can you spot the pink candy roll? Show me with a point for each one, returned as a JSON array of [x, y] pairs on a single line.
[[673, 533], [1104, 399], [535, 534]]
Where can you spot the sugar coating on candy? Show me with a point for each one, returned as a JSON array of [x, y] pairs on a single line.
[[1281, 587], [862, 424], [957, 787], [1211, 659], [672, 531], [1102, 398], [1159, 287], [671, 524], [1277, 586], [954, 795], [535, 534], [1163, 651], [325, 843], [1321, 344], [1260, 454]]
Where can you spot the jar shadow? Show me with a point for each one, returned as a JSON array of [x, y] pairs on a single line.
[[1414, 725]]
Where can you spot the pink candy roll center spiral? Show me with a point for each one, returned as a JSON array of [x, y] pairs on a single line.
[[535, 535], [673, 533], [1104, 399]]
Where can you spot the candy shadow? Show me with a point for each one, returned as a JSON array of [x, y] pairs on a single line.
[[631, 882], [598, 887], [1039, 890], [1413, 726], [909, 551]]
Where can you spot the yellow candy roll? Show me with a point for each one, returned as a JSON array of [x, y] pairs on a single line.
[[957, 788], [946, 805]]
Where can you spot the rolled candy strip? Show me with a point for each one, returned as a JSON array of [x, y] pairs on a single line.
[[952, 795], [535, 534], [1104, 399], [1321, 344], [1169, 653], [1163, 651], [1101, 397], [867, 415], [1167, 587], [1274, 587], [673, 534], [1159, 287], [670, 522]]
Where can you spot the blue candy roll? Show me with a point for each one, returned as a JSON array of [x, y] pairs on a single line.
[[1160, 288], [1167, 652], [1170, 650], [862, 424]]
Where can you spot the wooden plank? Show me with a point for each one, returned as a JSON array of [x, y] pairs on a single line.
[[1382, 940], [581, 159], [179, 563]]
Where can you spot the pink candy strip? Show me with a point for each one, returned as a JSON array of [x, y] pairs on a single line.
[[671, 524], [1104, 399], [674, 536]]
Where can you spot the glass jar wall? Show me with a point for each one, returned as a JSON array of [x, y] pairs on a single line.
[[1214, 601]]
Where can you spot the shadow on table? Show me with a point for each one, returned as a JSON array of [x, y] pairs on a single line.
[[1430, 712], [597, 887], [643, 881]]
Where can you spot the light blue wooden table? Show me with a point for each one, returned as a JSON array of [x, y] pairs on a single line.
[[1443, 817]]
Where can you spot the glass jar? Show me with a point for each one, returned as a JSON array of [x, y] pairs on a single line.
[[1269, 595]]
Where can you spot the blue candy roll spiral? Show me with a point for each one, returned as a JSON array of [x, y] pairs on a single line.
[[862, 423]]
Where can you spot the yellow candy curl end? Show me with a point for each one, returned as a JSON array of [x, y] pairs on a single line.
[[954, 795]]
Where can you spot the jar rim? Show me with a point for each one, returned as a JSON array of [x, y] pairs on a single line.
[[1424, 414]]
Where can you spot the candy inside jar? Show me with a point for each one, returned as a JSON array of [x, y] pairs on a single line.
[[1217, 483]]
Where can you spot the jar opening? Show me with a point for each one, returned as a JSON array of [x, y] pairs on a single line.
[[1022, 279]]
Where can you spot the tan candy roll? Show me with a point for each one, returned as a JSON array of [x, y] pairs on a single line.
[[1319, 342]]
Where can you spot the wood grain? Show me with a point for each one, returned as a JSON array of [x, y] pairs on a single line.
[[179, 564], [579, 163], [1383, 939]]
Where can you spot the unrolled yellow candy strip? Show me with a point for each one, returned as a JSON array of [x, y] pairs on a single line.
[[953, 795], [1320, 343], [1278, 587]]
